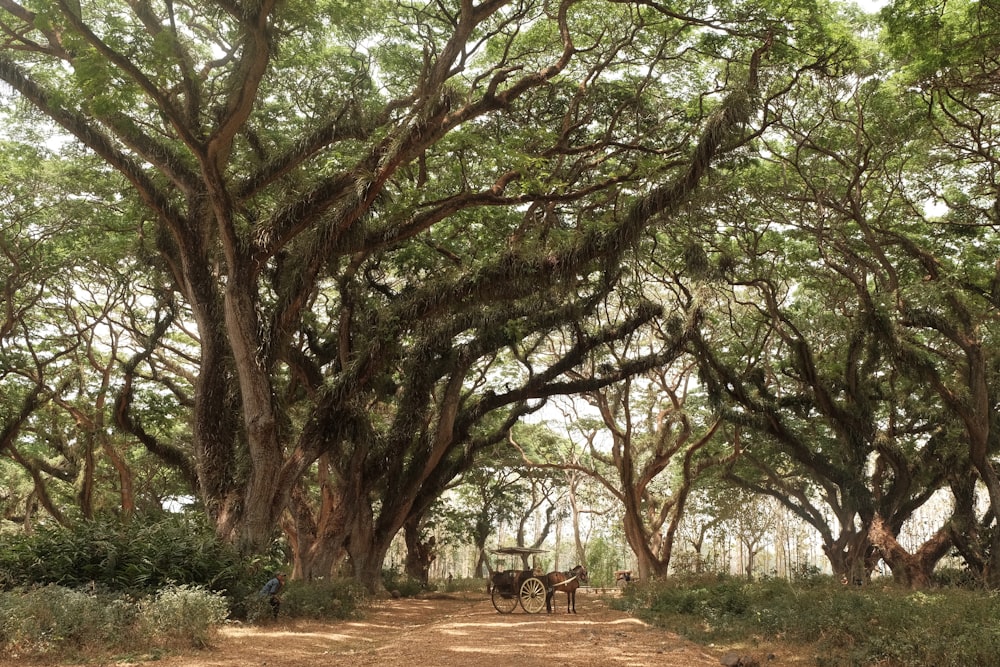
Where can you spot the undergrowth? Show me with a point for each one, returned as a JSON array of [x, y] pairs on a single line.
[[142, 588], [846, 625], [56, 621]]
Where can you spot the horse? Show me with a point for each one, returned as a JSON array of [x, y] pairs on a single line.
[[567, 582]]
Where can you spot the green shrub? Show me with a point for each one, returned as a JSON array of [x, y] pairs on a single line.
[[466, 585], [186, 614], [405, 586], [318, 599], [139, 558], [954, 577], [42, 620], [54, 620], [848, 626]]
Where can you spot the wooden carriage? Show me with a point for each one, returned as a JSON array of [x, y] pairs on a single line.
[[510, 587]]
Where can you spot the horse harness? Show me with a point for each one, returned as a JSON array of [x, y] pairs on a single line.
[[564, 582]]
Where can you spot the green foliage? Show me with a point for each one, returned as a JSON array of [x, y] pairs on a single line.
[[319, 599], [464, 585], [139, 557], [185, 614], [44, 619], [58, 621], [405, 586], [603, 559], [844, 625]]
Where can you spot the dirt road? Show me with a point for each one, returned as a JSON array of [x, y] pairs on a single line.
[[454, 632]]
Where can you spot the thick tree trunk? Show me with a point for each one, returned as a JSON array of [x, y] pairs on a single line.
[[263, 499], [85, 490], [366, 561], [988, 474], [912, 570], [316, 537], [419, 553], [126, 487], [849, 555], [214, 429], [649, 565], [965, 528], [977, 414]]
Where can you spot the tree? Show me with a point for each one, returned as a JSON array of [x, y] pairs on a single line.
[[318, 234], [647, 450], [487, 496], [949, 58], [63, 283], [821, 358]]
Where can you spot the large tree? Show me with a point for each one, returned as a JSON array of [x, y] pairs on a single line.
[[856, 324], [950, 60], [63, 288], [366, 210]]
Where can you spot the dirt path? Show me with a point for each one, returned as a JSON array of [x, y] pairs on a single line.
[[454, 632]]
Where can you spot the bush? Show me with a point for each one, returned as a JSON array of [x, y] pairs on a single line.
[[405, 586], [953, 577], [318, 599], [845, 625], [139, 558], [464, 585], [55, 620], [185, 614], [42, 620]]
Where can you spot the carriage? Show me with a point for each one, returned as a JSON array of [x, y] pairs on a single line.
[[622, 578], [532, 590], [510, 587]]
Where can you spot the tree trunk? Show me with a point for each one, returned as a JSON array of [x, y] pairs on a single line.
[[977, 415], [419, 553], [366, 557], [987, 473], [965, 533], [316, 536], [696, 546], [578, 543], [849, 555], [647, 562], [752, 550], [912, 570], [264, 499], [85, 490], [215, 434]]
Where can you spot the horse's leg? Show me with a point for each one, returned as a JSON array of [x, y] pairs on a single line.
[[572, 599], [549, 592]]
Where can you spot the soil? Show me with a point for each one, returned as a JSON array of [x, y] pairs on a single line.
[[457, 632]]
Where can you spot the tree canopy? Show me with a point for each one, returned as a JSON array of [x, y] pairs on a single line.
[[310, 262]]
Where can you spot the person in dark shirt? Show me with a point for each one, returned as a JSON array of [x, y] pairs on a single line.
[[271, 591]]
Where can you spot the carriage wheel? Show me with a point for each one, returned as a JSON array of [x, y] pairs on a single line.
[[503, 602], [532, 595]]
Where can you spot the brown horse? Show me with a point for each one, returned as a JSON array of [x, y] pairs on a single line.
[[567, 582]]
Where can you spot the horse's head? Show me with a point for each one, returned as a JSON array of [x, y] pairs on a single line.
[[581, 573]]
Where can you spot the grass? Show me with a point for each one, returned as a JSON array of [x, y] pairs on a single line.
[[67, 624], [56, 621], [839, 626]]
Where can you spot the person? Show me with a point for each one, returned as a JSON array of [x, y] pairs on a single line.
[[272, 590]]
